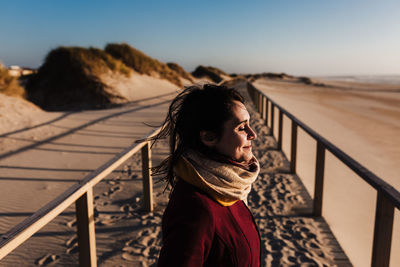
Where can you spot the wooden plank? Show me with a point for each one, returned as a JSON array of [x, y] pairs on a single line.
[[383, 231], [147, 179], [319, 179], [280, 122], [293, 148], [86, 233]]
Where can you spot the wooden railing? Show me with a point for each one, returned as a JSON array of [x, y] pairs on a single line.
[[388, 198], [82, 195]]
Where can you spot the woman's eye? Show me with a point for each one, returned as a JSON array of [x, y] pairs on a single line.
[[242, 128]]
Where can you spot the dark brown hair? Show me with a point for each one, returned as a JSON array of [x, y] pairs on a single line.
[[197, 108]]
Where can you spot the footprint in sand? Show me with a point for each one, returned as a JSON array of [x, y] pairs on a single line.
[[127, 208], [72, 245], [147, 245], [105, 203], [71, 223], [116, 181], [112, 191], [47, 259], [73, 249], [104, 219]]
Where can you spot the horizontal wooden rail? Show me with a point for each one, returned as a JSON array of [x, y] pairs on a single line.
[[388, 197], [81, 194], [363, 172]]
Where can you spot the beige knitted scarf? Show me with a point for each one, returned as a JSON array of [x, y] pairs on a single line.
[[225, 182]]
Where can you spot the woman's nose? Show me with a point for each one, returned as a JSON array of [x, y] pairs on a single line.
[[251, 135]]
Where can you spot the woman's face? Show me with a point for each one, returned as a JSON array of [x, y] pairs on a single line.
[[236, 138]]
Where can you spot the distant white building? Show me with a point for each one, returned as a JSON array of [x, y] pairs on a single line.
[[17, 71]]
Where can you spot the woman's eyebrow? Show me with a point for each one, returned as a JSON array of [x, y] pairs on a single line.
[[240, 122]]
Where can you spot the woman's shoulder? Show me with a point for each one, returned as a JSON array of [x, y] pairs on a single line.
[[188, 200], [190, 194]]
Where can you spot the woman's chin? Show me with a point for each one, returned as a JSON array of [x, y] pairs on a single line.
[[247, 157]]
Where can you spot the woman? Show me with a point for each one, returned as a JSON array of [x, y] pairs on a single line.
[[210, 168]]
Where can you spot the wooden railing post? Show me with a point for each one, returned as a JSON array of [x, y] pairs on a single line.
[[272, 119], [256, 99], [383, 231], [280, 122], [263, 108], [293, 148], [319, 179], [266, 111], [256, 102], [86, 232], [147, 179]]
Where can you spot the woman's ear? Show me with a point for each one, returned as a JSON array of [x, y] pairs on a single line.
[[208, 138]]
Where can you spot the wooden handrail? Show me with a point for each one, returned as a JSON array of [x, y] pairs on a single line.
[[81, 194], [363, 172], [388, 197]]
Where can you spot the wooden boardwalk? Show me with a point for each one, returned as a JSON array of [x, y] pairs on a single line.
[[127, 235]]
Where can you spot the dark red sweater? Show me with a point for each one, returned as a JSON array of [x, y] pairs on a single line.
[[198, 231]]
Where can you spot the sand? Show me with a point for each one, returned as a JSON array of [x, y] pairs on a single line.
[[144, 86], [43, 153], [51, 151], [364, 121]]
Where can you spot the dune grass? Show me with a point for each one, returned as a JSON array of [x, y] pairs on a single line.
[[9, 85], [70, 79], [142, 63], [181, 72], [211, 72], [90, 60]]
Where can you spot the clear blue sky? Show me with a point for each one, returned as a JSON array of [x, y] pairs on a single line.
[[301, 37]]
